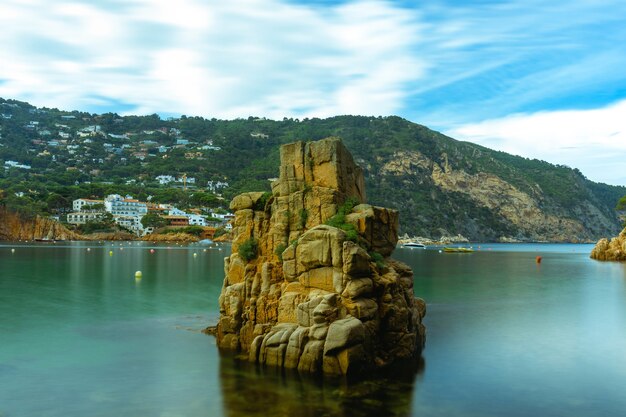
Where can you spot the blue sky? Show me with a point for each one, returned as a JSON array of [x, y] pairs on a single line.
[[541, 79]]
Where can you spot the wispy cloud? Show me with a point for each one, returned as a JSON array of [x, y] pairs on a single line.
[[593, 141], [447, 64], [226, 59], [499, 58]]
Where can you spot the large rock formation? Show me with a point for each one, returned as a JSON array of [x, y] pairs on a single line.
[[15, 227], [316, 297], [611, 250]]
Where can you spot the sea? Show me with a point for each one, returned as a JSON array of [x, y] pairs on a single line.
[[81, 335]]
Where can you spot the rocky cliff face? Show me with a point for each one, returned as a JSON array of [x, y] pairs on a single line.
[[14, 227], [315, 297], [495, 209], [611, 250]]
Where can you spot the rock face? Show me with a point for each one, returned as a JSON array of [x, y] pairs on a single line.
[[14, 227], [502, 211], [611, 250], [305, 295]]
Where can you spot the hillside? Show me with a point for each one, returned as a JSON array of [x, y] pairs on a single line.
[[440, 185]]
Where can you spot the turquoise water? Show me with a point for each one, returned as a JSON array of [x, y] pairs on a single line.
[[80, 336]]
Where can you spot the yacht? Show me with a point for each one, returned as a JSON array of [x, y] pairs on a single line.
[[414, 245]]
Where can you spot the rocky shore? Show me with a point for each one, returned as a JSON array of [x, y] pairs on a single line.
[[14, 227], [310, 284], [611, 250]]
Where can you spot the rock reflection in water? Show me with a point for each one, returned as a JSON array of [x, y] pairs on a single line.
[[252, 390]]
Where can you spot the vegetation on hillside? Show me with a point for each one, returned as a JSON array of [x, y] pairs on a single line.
[[127, 153]]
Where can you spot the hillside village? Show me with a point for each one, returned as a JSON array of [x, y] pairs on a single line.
[[141, 217], [101, 148]]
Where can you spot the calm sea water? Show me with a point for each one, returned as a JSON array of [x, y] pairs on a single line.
[[80, 336]]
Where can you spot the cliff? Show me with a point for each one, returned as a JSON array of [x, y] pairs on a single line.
[[316, 297], [16, 227], [486, 200], [611, 250]]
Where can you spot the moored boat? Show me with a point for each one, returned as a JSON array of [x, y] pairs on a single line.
[[414, 245], [458, 250]]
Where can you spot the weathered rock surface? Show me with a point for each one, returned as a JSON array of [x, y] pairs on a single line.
[[522, 211], [611, 250], [314, 297], [15, 227]]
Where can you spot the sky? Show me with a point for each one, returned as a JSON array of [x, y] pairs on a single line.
[[543, 79]]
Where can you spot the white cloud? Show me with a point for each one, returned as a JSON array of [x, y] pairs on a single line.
[[216, 59], [593, 141], [441, 64]]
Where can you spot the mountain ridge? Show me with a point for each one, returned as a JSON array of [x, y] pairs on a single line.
[[440, 185]]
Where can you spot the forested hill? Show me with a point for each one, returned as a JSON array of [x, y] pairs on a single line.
[[439, 185]]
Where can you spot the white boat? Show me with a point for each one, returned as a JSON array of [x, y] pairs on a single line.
[[414, 245]]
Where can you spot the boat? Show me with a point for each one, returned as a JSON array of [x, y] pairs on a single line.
[[414, 245], [458, 250]]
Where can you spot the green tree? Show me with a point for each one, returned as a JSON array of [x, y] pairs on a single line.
[[621, 204], [204, 199], [57, 202], [153, 220], [98, 206]]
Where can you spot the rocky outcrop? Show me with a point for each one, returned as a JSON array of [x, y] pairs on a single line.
[[515, 213], [316, 297], [611, 250], [16, 227], [517, 207]]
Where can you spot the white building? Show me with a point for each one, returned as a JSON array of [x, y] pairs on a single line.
[[82, 218], [15, 164], [132, 223], [128, 207], [196, 220], [188, 180], [176, 212], [78, 204], [91, 129], [108, 202], [214, 186], [223, 217], [165, 179]]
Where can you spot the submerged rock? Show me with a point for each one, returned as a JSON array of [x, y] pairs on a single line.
[[316, 297]]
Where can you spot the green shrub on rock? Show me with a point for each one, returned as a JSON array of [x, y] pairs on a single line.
[[248, 250]]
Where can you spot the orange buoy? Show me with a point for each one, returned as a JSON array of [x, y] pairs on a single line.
[[538, 259]]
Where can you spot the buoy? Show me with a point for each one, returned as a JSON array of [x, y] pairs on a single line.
[[88, 249], [151, 250], [203, 250], [195, 254], [110, 253], [138, 275], [12, 250], [538, 259]]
